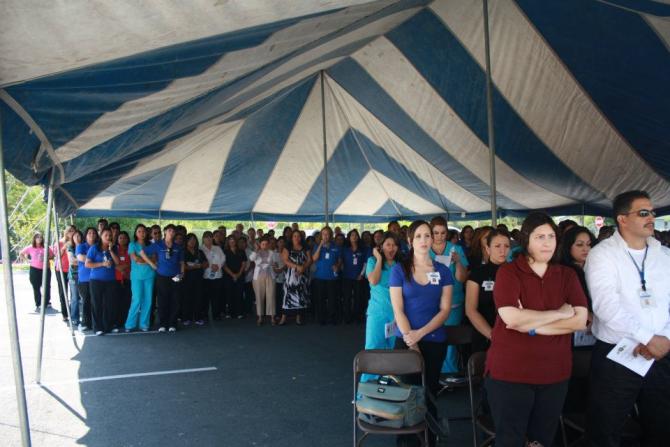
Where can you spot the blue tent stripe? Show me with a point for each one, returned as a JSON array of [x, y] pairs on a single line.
[[456, 76], [19, 144], [143, 191], [347, 167], [256, 150], [102, 88], [358, 83], [628, 78]]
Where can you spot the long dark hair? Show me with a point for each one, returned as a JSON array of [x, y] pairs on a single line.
[[568, 240], [146, 233], [99, 241], [408, 262], [35, 236], [397, 258]]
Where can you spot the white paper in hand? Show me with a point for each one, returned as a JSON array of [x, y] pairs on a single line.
[[444, 259], [389, 329], [623, 355]]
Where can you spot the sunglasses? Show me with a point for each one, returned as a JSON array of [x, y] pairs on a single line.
[[643, 213]]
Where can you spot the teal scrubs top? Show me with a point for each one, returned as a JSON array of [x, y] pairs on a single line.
[[380, 297], [458, 294]]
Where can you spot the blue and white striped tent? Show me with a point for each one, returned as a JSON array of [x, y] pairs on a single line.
[[215, 110]]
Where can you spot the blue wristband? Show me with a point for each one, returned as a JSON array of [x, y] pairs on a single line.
[[532, 333]]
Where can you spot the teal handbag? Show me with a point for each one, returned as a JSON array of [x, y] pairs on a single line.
[[394, 405]]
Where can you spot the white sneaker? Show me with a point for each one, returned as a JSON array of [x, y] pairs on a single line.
[[99, 332], [161, 329], [116, 331], [37, 309], [186, 322], [172, 329], [239, 317], [82, 328]]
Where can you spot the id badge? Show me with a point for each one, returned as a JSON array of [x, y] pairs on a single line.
[[327, 255], [355, 260], [389, 329], [488, 286], [433, 277], [122, 258], [647, 300]]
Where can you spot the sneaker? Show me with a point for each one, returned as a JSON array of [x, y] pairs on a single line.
[[99, 332], [144, 329], [127, 331], [82, 328], [239, 317], [172, 329], [115, 331], [228, 317], [161, 329], [186, 322], [200, 323], [37, 309]]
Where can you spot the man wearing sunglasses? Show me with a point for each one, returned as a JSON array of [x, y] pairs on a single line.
[[628, 276]]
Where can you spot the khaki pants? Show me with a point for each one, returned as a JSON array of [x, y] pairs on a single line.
[[264, 288]]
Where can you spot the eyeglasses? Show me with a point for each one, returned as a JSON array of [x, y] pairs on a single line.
[[642, 213]]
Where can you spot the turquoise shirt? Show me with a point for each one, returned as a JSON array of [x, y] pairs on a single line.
[[458, 294], [138, 271], [380, 297]]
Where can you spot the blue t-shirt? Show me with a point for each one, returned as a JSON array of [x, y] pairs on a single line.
[[84, 273], [458, 295], [353, 262], [327, 259], [422, 302], [138, 271], [380, 297], [169, 259], [101, 273]]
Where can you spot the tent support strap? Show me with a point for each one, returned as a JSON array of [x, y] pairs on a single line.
[[489, 115], [45, 271], [24, 424], [325, 148]]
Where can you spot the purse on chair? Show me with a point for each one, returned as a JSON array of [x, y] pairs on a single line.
[[390, 403]]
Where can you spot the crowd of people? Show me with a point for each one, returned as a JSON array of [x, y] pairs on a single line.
[[529, 294]]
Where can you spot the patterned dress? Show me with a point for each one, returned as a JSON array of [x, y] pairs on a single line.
[[296, 285]]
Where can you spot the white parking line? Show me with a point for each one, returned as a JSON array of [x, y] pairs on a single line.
[[119, 376]]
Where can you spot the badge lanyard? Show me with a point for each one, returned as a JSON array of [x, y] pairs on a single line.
[[640, 271]]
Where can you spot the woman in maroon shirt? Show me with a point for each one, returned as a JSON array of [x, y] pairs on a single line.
[[540, 303]]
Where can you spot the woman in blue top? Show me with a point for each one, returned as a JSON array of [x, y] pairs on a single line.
[[421, 297], [83, 285], [141, 283], [353, 268], [451, 255], [169, 268], [327, 259], [102, 260], [380, 312]]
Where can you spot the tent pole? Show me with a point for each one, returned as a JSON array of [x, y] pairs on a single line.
[[489, 115], [45, 271], [57, 261], [24, 424], [582, 217], [325, 148]]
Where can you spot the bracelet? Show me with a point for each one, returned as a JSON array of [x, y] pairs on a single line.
[[532, 333]]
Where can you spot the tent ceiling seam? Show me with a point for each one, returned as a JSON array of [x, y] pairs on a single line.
[[30, 122]]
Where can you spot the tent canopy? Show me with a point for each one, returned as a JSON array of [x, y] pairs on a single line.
[[147, 109]]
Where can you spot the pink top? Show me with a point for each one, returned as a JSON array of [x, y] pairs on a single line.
[[36, 255], [64, 261]]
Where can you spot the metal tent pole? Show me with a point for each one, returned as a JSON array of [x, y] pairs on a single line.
[[325, 148], [489, 115], [24, 424], [45, 271], [57, 261]]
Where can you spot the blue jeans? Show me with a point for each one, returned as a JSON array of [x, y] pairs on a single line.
[[74, 302], [140, 304]]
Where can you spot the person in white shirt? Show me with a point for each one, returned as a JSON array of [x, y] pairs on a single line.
[[213, 280], [263, 281], [628, 276]]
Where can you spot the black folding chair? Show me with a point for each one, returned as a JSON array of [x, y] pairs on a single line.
[[387, 362], [460, 337], [480, 420]]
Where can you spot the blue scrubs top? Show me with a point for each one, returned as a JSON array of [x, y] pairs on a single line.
[[353, 262], [422, 302], [84, 273], [380, 297], [458, 296]]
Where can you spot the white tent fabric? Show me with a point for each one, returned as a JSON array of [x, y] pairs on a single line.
[[145, 109]]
